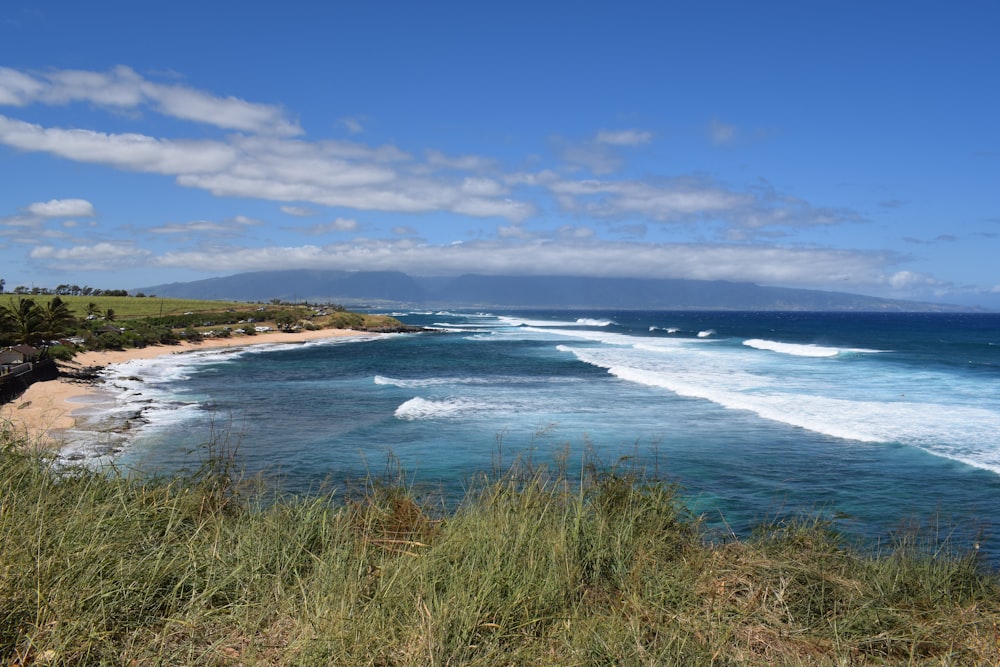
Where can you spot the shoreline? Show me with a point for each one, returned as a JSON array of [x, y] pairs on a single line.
[[41, 414]]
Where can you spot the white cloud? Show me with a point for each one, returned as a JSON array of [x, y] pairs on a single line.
[[268, 163], [514, 232], [344, 225], [353, 124], [189, 227], [574, 232], [687, 200], [904, 280], [62, 208], [666, 202], [603, 153], [126, 151], [120, 87], [281, 170], [21, 221], [568, 256], [102, 256], [599, 158], [462, 163], [483, 187], [338, 225], [123, 88], [230, 112], [299, 211], [720, 133], [18, 89], [230, 227], [624, 137]]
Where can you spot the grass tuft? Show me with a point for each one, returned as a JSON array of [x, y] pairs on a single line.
[[533, 567]]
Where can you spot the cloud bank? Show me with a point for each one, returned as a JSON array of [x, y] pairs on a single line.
[[575, 216]]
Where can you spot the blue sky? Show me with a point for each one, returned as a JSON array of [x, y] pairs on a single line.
[[843, 146]]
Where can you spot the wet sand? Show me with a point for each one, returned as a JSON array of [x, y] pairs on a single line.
[[39, 415]]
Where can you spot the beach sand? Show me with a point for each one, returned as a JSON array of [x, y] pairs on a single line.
[[40, 414]]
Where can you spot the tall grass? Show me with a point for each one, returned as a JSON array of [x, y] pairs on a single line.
[[532, 568]]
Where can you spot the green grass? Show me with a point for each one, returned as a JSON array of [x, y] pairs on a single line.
[[532, 568], [130, 307]]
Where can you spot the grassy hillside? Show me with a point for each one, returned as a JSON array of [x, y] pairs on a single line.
[[532, 569], [129, 307], [115, 322], [195, 313]]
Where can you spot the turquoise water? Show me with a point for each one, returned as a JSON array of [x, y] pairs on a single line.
[[875, 420]]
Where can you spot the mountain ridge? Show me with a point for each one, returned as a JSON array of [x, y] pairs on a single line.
[[397, 289]]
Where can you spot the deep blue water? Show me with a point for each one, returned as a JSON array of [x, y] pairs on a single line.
[[876, 420]]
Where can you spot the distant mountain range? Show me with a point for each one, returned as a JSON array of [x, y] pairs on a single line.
[[392, 289]]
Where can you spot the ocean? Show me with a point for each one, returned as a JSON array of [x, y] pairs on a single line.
[[875, 421]]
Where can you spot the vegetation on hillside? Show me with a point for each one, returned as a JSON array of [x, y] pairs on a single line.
[[117, 321], [23, 321], [532, 568]]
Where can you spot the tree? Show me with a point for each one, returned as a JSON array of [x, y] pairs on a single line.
[[57, 319], [2, 283], [6, 327], [109, 314], [286, 320], [25, 321]]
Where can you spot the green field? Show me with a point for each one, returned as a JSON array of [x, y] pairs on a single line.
[[129, 307]]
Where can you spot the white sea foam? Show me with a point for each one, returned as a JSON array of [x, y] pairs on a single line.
[[421, 408], [605, 337], [142, 395], [411, 383], [706, 333], [967, 430], [527, 322], [460, 328], [794, 349], [492, 381], [803, 350]]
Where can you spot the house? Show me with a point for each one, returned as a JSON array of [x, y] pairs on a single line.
[[19, 368], [10, 358], [27, 351], [17, 359], [17, 354]]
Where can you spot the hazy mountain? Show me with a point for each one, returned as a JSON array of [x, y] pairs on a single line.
[[392, 288]]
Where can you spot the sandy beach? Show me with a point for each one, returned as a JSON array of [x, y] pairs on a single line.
[[40, 414]]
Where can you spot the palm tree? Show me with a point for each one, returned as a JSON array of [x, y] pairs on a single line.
[[57, 319], [26, 321], [6, 327]]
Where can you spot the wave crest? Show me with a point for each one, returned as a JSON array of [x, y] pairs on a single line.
[[422, 408], [801, 349]]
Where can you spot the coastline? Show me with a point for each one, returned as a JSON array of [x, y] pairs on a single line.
[[39, 415]]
